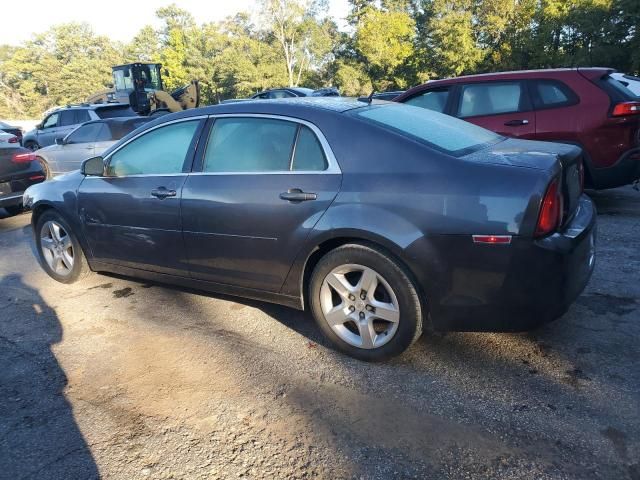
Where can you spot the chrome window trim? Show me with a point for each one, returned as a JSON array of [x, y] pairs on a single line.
[[332, 163], [332, 168]]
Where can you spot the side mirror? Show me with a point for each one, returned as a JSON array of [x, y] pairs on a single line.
[[39, 126], [93, 167], [59, 141]]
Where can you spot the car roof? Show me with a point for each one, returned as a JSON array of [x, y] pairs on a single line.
[[91, 106], [281, 105], [515, 74], [120, 120]]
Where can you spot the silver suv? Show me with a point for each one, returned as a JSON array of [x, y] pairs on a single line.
[[63, 120]]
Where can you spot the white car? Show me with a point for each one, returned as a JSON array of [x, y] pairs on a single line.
[[88, 140], [8, 140], [632, 83]]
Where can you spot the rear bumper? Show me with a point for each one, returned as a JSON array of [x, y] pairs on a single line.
[[625, 171], [514, 287], [19, 183]]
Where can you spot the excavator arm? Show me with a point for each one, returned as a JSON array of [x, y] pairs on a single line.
[[181, 99]]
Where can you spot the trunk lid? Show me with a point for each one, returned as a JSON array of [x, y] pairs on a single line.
[[544, 156]]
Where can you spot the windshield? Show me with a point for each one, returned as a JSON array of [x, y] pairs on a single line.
[[440, 132], [149, 77]]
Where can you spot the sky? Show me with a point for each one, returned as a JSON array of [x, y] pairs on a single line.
[[122, 19]]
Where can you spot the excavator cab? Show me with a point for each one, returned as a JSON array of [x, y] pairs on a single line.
[[140, 85], [135, 83]]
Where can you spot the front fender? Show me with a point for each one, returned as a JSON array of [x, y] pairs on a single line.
[[60, 194]]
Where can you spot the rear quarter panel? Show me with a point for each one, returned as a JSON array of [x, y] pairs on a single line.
[[397, 192]]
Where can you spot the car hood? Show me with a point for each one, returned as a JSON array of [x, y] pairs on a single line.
[[526, 154]]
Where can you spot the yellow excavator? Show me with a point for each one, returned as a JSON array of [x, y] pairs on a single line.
[[140, 85]]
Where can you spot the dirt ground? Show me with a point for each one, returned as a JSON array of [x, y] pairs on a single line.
[[115, 378]]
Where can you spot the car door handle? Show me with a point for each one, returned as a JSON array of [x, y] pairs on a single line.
[[516, 123], [297, 195], [162, 193]]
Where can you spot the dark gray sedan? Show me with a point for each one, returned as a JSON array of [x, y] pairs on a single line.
[[381, 218]]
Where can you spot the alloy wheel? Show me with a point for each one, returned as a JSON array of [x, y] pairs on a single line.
[[57, 248], [360, 306]]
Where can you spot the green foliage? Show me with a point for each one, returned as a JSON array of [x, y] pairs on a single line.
[[384, 42], [390, 44]]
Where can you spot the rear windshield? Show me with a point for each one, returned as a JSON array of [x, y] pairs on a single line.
[[441, 132], [617, 89], [114, 112], [121, 129]]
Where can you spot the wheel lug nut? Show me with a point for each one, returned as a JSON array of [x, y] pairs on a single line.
[[351, 297], [361, 315], [363, 295], [352, 308], [369, 308]]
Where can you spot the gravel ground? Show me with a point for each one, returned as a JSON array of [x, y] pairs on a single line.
[[115, 378]]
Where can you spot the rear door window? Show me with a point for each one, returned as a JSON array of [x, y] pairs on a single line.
[[82, 116], [67, 117], [478, 99], [250, 145], [551, 94], [85, 133], [105, 134], [308, 156], [435, 100]]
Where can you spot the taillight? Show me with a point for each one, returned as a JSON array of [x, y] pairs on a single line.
[[626, 108], [14, 140], [23, 157], [550, 217]]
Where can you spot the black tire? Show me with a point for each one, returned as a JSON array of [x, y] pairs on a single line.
[[411, 310], [45, 167], [31, 145], [14, 210], [80, 266]]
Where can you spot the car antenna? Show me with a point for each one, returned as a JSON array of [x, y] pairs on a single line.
[[370, 97]]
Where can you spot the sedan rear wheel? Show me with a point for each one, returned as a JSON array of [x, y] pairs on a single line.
[[45, 167], [360, 306], [365, 302]]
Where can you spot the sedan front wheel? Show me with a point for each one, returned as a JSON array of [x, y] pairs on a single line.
[[60, 252], [365, 302]]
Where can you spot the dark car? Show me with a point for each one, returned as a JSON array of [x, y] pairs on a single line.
[[62, 121], [12, 129], [580, 106], [383, 95], [18, 170], [379, 217], [292, 92]]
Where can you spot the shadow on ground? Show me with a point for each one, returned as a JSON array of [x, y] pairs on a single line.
[[39, 437]]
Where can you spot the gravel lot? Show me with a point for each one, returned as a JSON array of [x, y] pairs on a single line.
[[115, 378]]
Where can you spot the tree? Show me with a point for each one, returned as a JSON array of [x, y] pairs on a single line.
[[63, 65], [384, 40], [305, 39]]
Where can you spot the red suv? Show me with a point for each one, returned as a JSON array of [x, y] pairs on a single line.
[[582, 106]]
